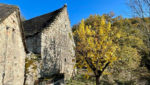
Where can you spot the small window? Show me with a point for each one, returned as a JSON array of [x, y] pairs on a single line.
[[13, 29], [7, 28], [14, 21]]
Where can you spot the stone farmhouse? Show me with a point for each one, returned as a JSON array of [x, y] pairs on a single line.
[[12, 46], [48, 36]]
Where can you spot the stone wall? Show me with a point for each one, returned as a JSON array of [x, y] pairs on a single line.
[[52, 39], [33, 64], [12, 51], [57, 47], [34, 43]]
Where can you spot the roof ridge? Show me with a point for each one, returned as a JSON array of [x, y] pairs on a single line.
[[9, 5], [42, 20], [58, 10]]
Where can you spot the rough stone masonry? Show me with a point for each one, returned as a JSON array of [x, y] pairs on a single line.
[[12, 48], [48, 36]]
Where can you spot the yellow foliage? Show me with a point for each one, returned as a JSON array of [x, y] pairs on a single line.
[[103, 21], [95, 46]]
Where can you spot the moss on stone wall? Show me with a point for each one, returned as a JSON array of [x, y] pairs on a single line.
[[32, 66], [30, 61]]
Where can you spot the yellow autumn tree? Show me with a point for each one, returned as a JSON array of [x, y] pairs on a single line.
[[96, 47]]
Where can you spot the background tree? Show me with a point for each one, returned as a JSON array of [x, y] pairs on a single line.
[[96, 45], [141, 9], [22, 18], [131, 44]]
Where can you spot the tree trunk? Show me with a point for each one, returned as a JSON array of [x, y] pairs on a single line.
[[97, 80]]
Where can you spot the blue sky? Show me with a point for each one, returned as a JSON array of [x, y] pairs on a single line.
[[78, 9]]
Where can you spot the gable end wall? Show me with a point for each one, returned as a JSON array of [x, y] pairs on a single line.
[[12, 54], [57, 47]]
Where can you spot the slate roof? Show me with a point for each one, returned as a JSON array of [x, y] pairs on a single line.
[[6, 10], [37, 24]]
